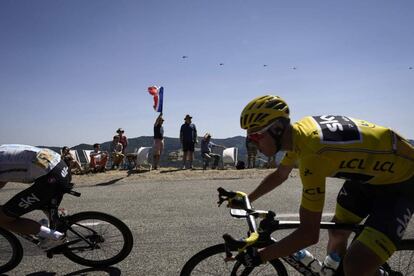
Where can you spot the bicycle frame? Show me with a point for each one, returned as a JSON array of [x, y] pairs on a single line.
[[57, 221], [291, 260], [286, 225]]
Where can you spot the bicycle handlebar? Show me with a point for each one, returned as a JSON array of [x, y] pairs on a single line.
[[69, 190], [229, 196]]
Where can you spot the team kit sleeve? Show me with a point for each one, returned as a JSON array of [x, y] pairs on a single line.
[[290, 159], [313, 178]]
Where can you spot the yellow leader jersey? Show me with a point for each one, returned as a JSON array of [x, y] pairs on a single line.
[[343, 147]]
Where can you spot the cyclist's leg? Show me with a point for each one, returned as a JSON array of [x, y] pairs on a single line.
[[18, 225], [384, 229], [361, 260], [24, 202], [351, 208]]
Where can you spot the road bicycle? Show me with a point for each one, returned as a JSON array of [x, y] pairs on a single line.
[[93, 239], [221, 259]]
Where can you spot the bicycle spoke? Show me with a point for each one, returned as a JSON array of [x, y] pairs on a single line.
[[99, 240]]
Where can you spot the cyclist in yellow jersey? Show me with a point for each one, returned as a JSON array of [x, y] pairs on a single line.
[[376, 163]]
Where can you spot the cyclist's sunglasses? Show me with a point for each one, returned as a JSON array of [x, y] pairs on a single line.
[[256, 136]]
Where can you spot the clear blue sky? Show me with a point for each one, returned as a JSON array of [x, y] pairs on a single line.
[[73, 71]]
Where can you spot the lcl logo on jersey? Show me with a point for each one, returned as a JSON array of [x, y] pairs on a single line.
[[355, 163]]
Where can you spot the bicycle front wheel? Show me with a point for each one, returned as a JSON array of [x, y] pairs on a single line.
[[212, 261], [97, 239], [402, 261], [11, 251]]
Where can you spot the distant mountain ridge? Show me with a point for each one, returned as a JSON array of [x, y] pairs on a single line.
[[173, 145]]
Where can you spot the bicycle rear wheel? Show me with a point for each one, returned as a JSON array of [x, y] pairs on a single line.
[[11, 251], [211, 261], [402, 261], [97, 239]]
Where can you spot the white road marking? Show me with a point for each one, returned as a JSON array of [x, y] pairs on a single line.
[[296, 215]]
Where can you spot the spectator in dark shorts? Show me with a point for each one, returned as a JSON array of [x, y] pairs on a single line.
[[188, 138], [158, 146], [122, 139]]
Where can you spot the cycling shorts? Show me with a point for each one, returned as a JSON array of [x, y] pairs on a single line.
[[388, 209], [39, 195]]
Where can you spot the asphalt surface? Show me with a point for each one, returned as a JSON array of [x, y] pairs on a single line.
[[170, 221]]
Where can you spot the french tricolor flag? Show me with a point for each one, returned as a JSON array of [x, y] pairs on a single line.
[[158, 94]]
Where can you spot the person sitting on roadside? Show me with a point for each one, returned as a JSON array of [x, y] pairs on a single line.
[[98, 159], [206, 153], [116, 152], [69, 159]]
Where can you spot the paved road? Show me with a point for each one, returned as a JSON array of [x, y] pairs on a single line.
[[170, 221]]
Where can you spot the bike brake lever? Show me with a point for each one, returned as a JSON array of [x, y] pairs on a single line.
[[221, 200]]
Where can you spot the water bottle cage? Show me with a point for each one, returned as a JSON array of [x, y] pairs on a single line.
[[311, 262]]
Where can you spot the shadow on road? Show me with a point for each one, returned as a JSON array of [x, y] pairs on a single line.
[[172, 170], [137, 172], [110, 271], [110, 182]]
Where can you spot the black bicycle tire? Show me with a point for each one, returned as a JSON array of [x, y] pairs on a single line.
[[220, 249], [121, 226], [17, 251]]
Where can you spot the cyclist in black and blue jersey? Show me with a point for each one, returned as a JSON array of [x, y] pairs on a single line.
[[49, 175]]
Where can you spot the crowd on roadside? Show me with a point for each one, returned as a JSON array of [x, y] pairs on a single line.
[[117, 158]]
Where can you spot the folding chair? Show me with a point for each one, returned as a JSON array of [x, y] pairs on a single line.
[[75, 155], [230, 156], [142, 157], [87, 154], [139, 158]]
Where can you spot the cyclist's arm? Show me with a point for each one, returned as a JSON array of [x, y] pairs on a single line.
[[2, 184], [271, 181], [306, 235]]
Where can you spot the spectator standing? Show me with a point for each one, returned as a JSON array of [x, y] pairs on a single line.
[[98, 159], [70, 161], [251, 153], [116, 152], [188, 138], [158, 146], [122, 139], [206, 153]]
